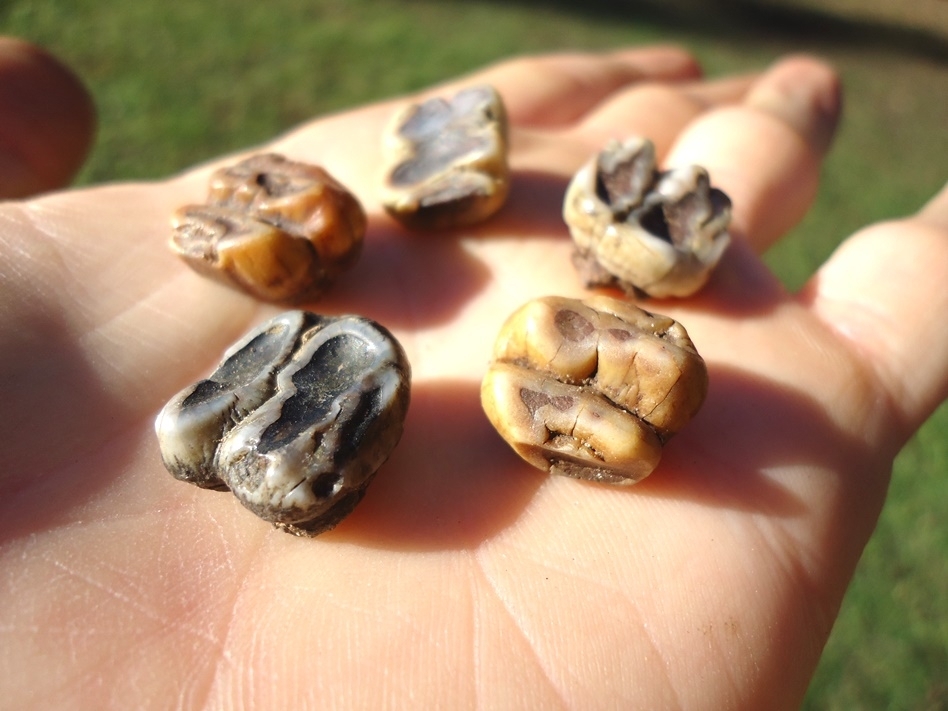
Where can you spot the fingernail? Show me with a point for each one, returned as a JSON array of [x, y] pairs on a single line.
[[805, 94]]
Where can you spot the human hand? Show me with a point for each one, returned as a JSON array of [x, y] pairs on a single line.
[[465, 577]]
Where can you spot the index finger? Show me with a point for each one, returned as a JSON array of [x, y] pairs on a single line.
[[543, 91], [556, 90]]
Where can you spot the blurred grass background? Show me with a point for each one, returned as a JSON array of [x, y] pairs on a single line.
[[176, 83]]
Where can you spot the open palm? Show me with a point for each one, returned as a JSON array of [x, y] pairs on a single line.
[[465, 578]]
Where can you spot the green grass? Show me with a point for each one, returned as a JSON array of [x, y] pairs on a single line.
[[177, 83]]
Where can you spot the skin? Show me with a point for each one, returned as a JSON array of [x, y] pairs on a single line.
[[47, 120], [465, 578]]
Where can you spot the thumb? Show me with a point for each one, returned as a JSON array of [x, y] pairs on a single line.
[[47, 120]]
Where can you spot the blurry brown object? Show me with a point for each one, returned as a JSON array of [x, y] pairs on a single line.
[[47, 120]]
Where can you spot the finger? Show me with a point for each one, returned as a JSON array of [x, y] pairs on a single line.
[[725, 90], [558, 89], [47, 120], [883, 290], [658, 111], [766, 152], [542, 91], [935, 212]]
